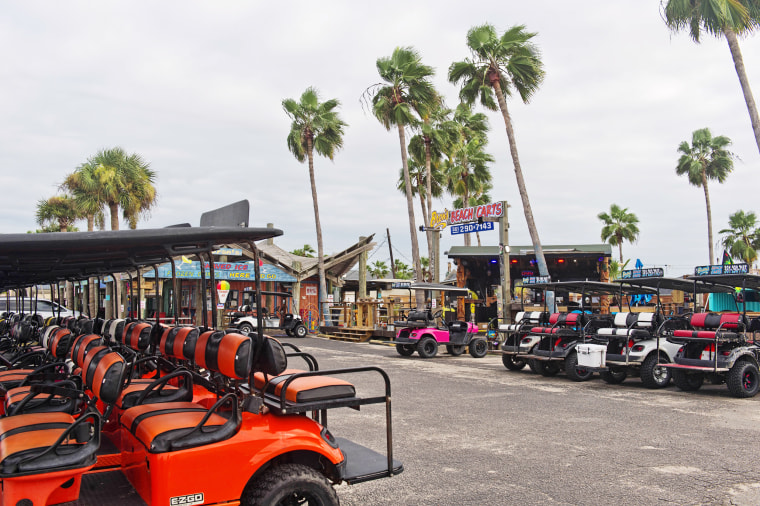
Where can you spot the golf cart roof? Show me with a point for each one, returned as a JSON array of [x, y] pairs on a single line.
[[750, 281], [277, 294], [27, 259], [437, 287], [681, 284], [588, 287]]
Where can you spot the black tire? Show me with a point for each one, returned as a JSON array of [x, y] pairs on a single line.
[[546, 368], [289, 332], [478, 348], [688, 382], [533, 364], [454, 350], [300, 331], [405, 350], [513, 363], [614, 376], [743, 379], [427, 347], [245, 328], [290, 484], [572, 370], [653, 375]]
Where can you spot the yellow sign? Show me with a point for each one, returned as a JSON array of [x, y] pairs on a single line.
[[439, 221]]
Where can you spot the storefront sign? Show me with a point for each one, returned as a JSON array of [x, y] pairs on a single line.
[[233, 252], [711, 270], [469, 228], [466, 215], [652, 272], [234, 271]]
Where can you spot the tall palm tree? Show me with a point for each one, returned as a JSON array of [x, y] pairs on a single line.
[[122, 181], [498, 66], [60, 210], [619, 226], [418, 179], [306, 251], [742, 237], [467, 172], [730, 18], [707, 158], [406, 88], [316, 126]]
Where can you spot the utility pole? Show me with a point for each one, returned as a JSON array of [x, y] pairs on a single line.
[[506, 281], [390, 248]]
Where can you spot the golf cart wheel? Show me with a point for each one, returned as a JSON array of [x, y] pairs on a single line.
[[300, 331], [743, 379], [652, 374], [289, 332], [546, 368], [290, 484], [534, 365], [512, 363], [245, 328], [427, 347], [688, 382], [478, 348], [454, 350], [614, 376], [572, 370], [405, 350]]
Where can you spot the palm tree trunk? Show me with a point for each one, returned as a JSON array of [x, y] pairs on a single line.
[[620, 249], [736, 54], [114, 210], [419, 295], [709, 217], [320, 255], [540, 260]]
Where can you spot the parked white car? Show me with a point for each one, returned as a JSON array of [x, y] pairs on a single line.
[[44, 307]]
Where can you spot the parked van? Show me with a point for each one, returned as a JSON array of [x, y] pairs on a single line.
[[44, 307]]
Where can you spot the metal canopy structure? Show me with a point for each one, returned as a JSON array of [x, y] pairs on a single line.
[[680, 284], [438, 287], [749, 281], [28, 259]]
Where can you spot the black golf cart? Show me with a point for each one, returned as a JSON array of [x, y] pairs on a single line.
[[292, 324]]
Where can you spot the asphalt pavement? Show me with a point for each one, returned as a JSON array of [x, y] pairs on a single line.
[[469, 431]]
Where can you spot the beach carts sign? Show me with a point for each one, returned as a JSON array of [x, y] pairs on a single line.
[[468, 219]]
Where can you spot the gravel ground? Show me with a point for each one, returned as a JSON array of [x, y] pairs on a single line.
[[469, 431]]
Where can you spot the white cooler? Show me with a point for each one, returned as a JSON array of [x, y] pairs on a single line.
[[592, 355]]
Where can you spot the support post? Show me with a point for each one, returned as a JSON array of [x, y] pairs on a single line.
[[506, 281], [362, 272]]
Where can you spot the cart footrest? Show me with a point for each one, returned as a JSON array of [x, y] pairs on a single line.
[[363, 464]]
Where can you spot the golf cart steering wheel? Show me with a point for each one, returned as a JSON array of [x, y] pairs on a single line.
[[438, 314]]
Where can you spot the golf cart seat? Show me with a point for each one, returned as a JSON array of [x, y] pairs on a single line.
[[638, 325], [712, 326], [523, 319], [292, 386], [418, 319], [561, 323], [173, 426]]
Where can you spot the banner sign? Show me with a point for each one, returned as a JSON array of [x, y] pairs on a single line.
[[233, 271], [439, 221], [233, 252], [471, 227], [536, 279], [652, 272], [401, 284], [712, 270]]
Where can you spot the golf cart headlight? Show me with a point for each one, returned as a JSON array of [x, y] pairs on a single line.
[[413, 334], [637, 349]]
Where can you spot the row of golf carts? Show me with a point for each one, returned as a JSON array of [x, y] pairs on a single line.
[[688, 348]]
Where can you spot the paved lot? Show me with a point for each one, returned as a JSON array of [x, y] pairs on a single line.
[[471, 432]]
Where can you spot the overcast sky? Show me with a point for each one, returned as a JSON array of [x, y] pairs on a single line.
[[196, 89]]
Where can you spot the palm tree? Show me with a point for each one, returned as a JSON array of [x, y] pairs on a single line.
[[418, 179], [467, 172], [619, 226], [307, 251], [706, 158], [122, 181], [378, 269], [60, 210], [82, 185], [498, 66], [406, 89], [403, 271], [730, 18], [742, 237], [315, 126]]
